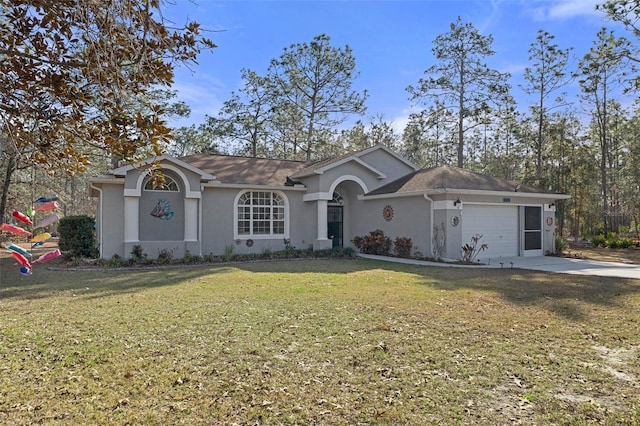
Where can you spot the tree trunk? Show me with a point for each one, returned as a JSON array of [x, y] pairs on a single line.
[[11, 167], [461, 117], [539, 141], [604, 148]]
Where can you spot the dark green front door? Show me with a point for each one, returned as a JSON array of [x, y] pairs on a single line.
[[334, 225]]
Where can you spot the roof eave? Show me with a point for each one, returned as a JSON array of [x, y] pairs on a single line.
[[218, 184], [122, 171], [440, 191]]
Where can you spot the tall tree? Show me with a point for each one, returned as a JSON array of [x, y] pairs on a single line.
[[377, 132], [428, 137], [70, 70], [462, 80], [314, 81], [626, 12], [244, 118], [547, 74], [631, 170], [194, 140], [601, 73]]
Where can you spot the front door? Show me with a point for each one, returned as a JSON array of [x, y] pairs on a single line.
[[334, 225]]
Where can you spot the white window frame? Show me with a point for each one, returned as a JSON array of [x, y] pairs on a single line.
[[256, 208], [166, 186]]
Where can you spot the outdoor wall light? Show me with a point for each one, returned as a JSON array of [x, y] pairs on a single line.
[[456, 202]]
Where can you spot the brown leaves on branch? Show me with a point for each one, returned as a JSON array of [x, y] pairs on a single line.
[[74, 73]]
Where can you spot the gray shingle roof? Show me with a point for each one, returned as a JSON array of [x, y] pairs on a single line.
[[450, 177], [245, 170]]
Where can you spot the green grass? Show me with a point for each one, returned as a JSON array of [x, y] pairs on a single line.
[[317, 342]]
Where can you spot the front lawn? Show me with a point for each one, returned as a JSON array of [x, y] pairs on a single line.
[[317, 342]]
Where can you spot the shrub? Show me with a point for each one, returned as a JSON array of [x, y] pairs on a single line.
[[470, 250], [598, 241], [561, 244], [612, 240], [617, 242], [190, 258], [373, 243], [165, 256], [289, 248], [77, 237], [228, 252], [137, 252], [402, 246]]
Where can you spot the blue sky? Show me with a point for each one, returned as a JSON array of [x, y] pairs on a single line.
[[391, 41]]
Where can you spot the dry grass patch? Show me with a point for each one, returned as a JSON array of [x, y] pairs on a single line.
[[318, 342], [606, 254]]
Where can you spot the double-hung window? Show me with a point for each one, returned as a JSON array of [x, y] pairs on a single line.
[[261, 213]]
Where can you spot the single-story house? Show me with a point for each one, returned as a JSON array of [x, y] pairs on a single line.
[[211, 204]]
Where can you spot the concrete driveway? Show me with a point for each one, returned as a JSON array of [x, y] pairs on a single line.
[[561, 265], [566, 265]]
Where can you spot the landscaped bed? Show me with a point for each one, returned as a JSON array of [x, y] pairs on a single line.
[[317, 342]]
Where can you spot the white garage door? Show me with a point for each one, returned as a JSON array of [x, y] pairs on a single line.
[[498, 226]]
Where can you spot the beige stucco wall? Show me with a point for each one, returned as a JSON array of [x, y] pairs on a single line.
[[110, 228], [218, 223], [410, 219], [390, 165], [157, 229]]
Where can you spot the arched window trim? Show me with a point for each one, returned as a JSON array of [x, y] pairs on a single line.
[[337, 199], [261, 215], [169, 185]]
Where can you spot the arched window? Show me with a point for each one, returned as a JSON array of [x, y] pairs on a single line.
[[261, 213], [337, 199], [169, 185]]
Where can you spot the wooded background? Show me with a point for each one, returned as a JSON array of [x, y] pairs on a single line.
[[74, 104]]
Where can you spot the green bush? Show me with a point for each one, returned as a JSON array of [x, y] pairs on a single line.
[[612, 240], [617, 242], [403, 246], [373, 243], [561, 244], [599, 241], [77, 238]]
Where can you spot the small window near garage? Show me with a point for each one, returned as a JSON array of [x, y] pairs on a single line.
[[261, 213], [169, 184]]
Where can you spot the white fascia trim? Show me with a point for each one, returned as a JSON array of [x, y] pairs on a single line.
[[299, 175], [392, 195], [431, 192], [346, 160], [318, 196], [193, 194], [370, 167], [540, 195], [122, 171], [217, 184], [108, 180]]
